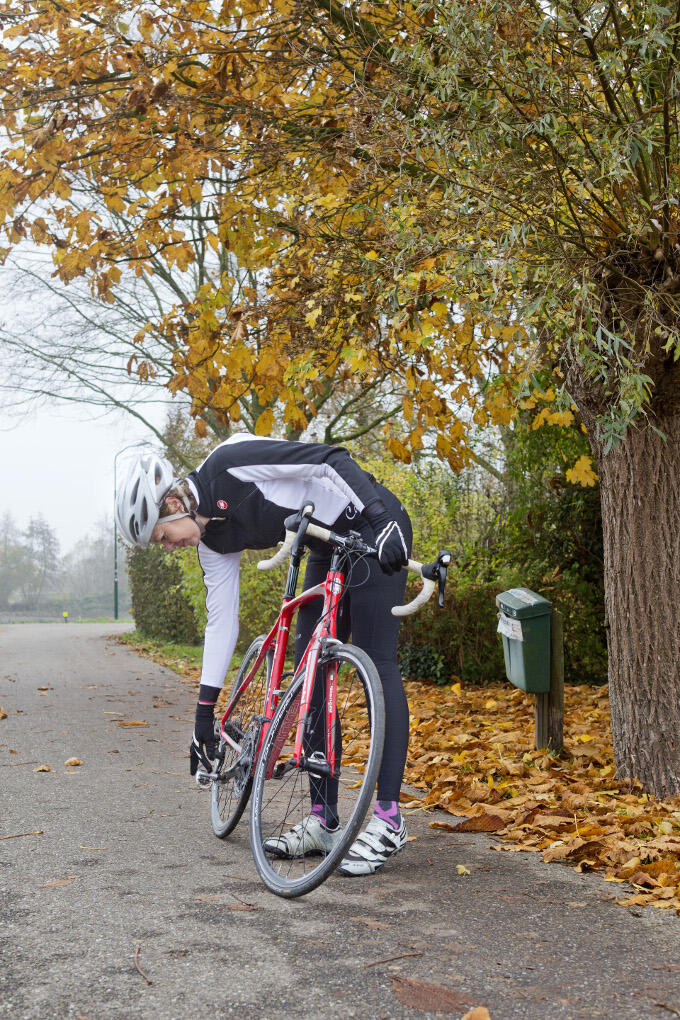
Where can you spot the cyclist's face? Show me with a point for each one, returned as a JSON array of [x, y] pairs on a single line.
[[176, 534]]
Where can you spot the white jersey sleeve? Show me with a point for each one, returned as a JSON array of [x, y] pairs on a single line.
[[221, 579]]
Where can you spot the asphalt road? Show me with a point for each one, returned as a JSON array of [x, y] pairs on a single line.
[[126, 859]]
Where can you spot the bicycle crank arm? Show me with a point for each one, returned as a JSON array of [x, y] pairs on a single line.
[[224, 777], [204, 778], [315, 768], [232, 743]]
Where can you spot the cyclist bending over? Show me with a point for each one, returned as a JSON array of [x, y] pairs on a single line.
[[237, 499]]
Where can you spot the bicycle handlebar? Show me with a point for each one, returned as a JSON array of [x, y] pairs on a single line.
[[433, 571]]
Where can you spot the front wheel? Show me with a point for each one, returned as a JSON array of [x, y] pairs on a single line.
[[229, 793], [338, 771]]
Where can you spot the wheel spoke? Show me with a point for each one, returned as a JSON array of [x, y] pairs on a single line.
[[283, 797], [229, 797]]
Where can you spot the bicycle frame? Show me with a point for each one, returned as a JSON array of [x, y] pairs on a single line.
[[326, 629]]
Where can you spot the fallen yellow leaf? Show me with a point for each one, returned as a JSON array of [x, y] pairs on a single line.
[[462, 870], [3, 714], [478, 1013], [43, 768], [132, 722], [73, 761]]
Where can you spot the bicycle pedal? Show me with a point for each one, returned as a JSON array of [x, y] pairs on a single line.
[[317, 765], [202, 779]]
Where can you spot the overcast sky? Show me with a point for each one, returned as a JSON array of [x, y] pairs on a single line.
[[59, 463]]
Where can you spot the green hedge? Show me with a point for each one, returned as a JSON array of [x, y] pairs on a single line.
[[160, 606], [260, 593], [459, 641]]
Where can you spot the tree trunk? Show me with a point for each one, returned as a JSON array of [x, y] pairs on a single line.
[[640, 487]]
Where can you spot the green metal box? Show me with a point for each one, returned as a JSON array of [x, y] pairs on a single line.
[[524, 625]]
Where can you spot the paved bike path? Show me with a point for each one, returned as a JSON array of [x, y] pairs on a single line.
[[127, 860]]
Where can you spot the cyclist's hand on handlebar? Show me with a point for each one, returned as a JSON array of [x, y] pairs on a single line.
[[391, 546], [203, 739], [389, 538]]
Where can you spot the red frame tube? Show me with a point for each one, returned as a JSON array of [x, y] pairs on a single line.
[[331, 591]]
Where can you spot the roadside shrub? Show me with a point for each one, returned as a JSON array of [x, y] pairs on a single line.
[[537, 531], [260, 594], [458, 642], [160, 606], [553, 538]]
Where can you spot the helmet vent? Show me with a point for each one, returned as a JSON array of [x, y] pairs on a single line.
[[139, 499]]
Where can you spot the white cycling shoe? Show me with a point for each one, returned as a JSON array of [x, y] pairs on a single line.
[[310, 836], [372, 847]]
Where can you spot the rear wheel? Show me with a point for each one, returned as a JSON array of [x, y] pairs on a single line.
[[230, 791], [337, 769]]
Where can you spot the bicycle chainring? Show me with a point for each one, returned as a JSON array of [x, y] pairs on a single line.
[[244, 766]]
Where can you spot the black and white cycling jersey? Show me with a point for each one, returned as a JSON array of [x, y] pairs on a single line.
[[247, 487]]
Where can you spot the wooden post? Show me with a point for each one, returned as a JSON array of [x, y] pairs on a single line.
[[549, 708]]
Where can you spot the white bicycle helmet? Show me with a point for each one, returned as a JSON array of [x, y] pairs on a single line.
[[141, 496]]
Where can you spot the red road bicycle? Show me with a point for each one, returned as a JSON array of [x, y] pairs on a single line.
[[323, 733]]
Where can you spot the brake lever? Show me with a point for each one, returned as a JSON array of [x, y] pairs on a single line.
[[443, 561], [437, 572], [300, 518], [299, 521]]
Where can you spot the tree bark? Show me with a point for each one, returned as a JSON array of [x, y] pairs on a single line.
[[640, 487]]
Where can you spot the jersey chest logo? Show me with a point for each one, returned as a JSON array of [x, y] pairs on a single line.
[[222, 504]]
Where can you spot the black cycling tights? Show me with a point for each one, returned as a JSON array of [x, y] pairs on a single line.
[[365, 612]]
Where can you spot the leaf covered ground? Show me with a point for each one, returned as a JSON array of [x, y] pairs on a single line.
[[471, 751]]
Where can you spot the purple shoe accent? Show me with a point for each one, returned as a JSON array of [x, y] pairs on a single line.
[[328, 815], [389, 811]]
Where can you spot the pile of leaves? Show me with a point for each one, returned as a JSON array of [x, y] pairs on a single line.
[[472, 750]]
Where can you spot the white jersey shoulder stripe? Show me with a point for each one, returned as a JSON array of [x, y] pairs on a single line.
[[289, 485]]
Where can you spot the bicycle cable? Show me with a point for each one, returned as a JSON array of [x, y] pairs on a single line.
[[348, 564]]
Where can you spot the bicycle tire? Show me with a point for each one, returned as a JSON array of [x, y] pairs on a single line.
[[282, 875], [228, 798]]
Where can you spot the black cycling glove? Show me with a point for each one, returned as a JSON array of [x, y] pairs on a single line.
[[389, 538], [204, 736]]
